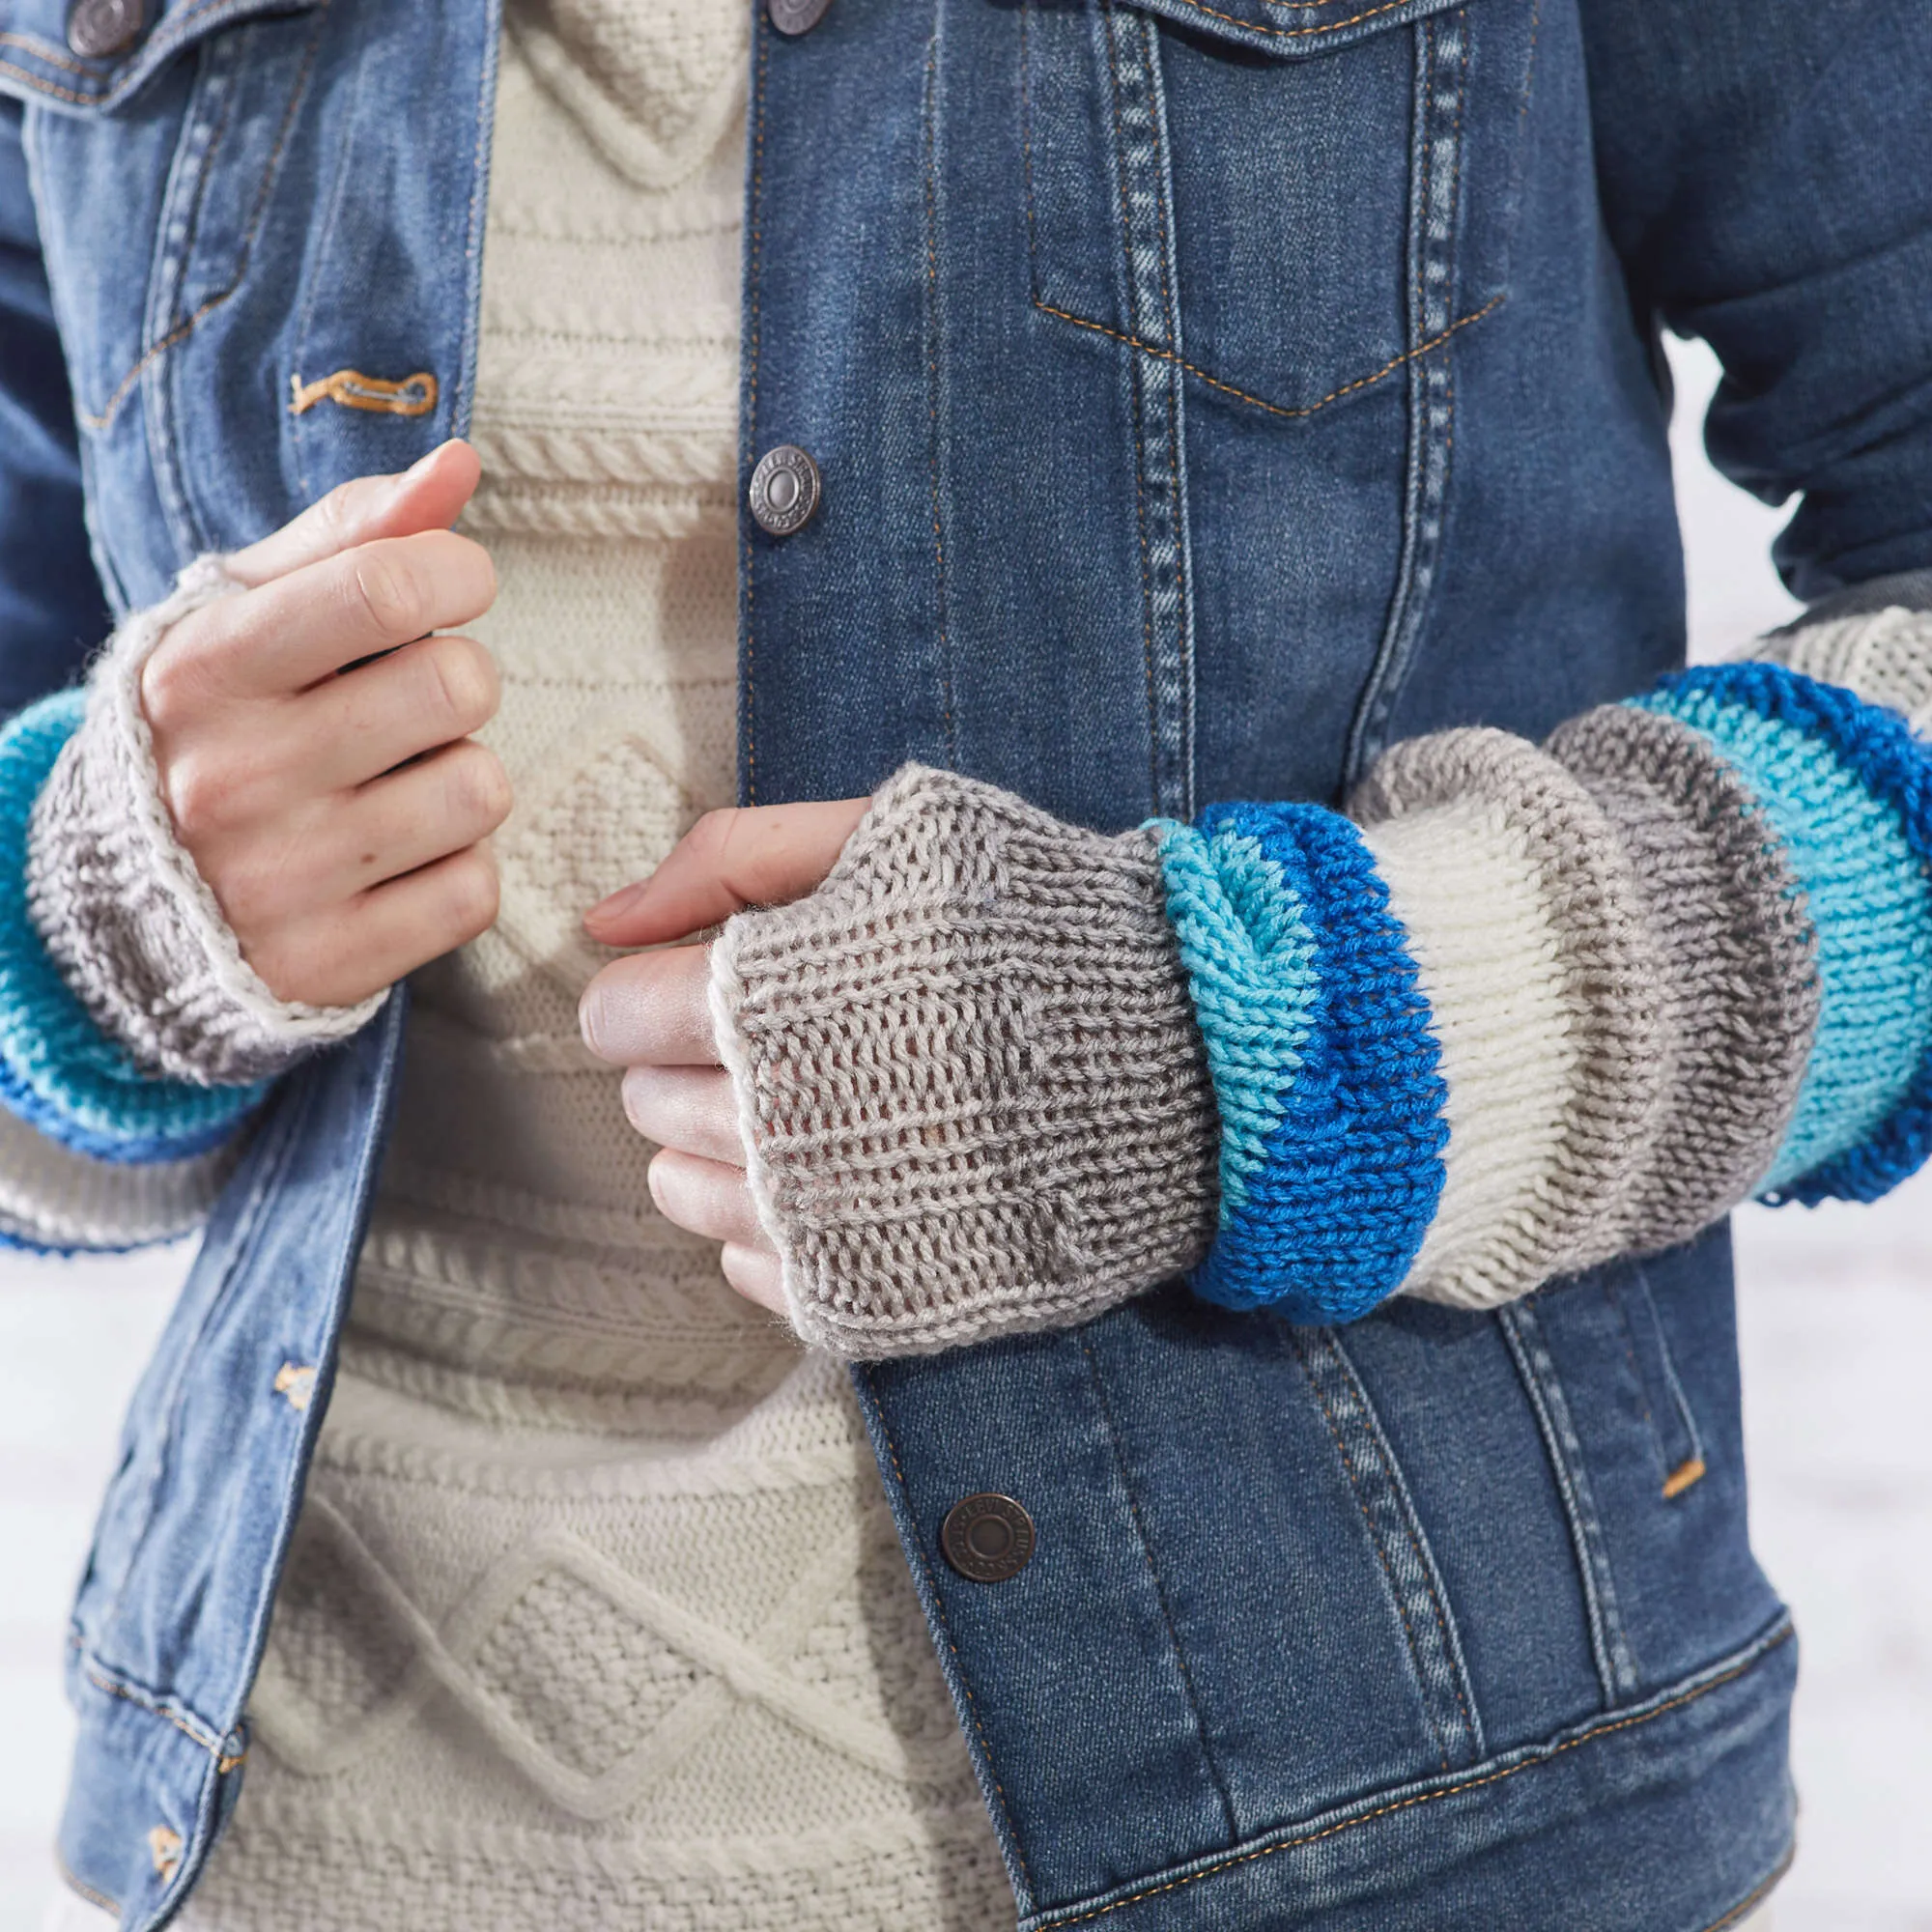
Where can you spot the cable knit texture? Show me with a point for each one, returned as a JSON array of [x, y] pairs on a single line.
[[134, 926], [966, 1068], [596, 1615]]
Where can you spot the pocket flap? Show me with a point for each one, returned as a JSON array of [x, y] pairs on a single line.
[[42, 44], [1294, 32]]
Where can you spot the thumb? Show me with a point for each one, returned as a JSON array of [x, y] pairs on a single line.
[[750, 855], [429, 495]]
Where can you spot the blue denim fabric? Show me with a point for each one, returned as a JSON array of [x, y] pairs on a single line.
[[1206, 396]]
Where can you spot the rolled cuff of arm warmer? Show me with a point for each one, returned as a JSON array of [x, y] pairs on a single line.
[[1524, 1009], [134, 1041]]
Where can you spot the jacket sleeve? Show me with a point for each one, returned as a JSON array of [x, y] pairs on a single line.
[[93, 1154], [1519, 1011], [52, 614], [1762, 178]]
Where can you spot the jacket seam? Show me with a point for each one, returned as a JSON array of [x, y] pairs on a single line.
[[86, 1891], [1160, 1588], [1194, 369], [1423, 1564], [184, 330], [143, 1700], [748, 430], [1548, 1755], [1296, 33], [1758, 1892]]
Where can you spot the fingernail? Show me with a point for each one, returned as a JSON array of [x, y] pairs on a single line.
[[588, 1014], [605, 911]]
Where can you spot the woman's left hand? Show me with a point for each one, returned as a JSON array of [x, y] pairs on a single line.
[[650, 1013]]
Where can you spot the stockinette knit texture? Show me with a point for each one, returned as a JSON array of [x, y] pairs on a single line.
[[1739, 989], [1883, 655], [1546, 1008], [1340, 1167], [1850, 789], [1003, 1118], [123, 910]]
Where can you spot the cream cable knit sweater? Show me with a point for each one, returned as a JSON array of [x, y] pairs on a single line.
[[596, 1616]]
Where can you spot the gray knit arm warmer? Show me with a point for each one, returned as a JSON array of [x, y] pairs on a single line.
[[1521, 1011], [969, 1080], [134, 930]]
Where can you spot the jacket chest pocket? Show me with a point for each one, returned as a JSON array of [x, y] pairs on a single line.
[[1288, 204]]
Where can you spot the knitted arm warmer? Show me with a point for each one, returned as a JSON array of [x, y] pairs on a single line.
[[1518, 1012], [134, 926], [133, 1036]]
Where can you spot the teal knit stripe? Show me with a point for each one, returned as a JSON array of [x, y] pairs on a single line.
[[1870, 905], [58, 1070], [1250, 958]]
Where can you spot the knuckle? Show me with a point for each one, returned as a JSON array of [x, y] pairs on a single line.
[[463, 684], [340, 511], [472, 891], [480, 787], [713, 834], [391, 598], [174, 680], [201, 795]]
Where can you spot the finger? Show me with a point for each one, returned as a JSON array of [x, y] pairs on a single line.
[[751, 855], [351, 729], [442, 804], [346, 952], [688, 1108], [429, 495], [704, 1196], [653, 1009], [757, 1274], [301, 628]]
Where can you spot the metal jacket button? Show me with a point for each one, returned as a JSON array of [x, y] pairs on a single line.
[[796, 16], [100, 29], [784, 490], [987, 1537]]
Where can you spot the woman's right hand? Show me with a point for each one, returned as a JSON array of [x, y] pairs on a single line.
[[313, 736]]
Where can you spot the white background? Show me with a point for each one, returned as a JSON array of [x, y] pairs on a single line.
[[1836, 1312]]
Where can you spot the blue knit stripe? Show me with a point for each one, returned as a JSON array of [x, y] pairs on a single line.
[[1324, 1068], [1849, 791], [58, 1070], [1250, 958]]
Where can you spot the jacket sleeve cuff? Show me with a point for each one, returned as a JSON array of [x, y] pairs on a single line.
[[123, 910]]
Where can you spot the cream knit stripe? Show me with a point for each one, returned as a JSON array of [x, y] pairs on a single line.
[[969, 1075], [1626, 1056], [134, 928], [1489, 951], [1741, 985], [1885, 656], [53, 1198]]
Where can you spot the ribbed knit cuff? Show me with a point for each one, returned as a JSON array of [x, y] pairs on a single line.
[[121, 907], [968, 1076]]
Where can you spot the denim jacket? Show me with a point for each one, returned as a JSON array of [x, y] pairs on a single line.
[[1204, 395]]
